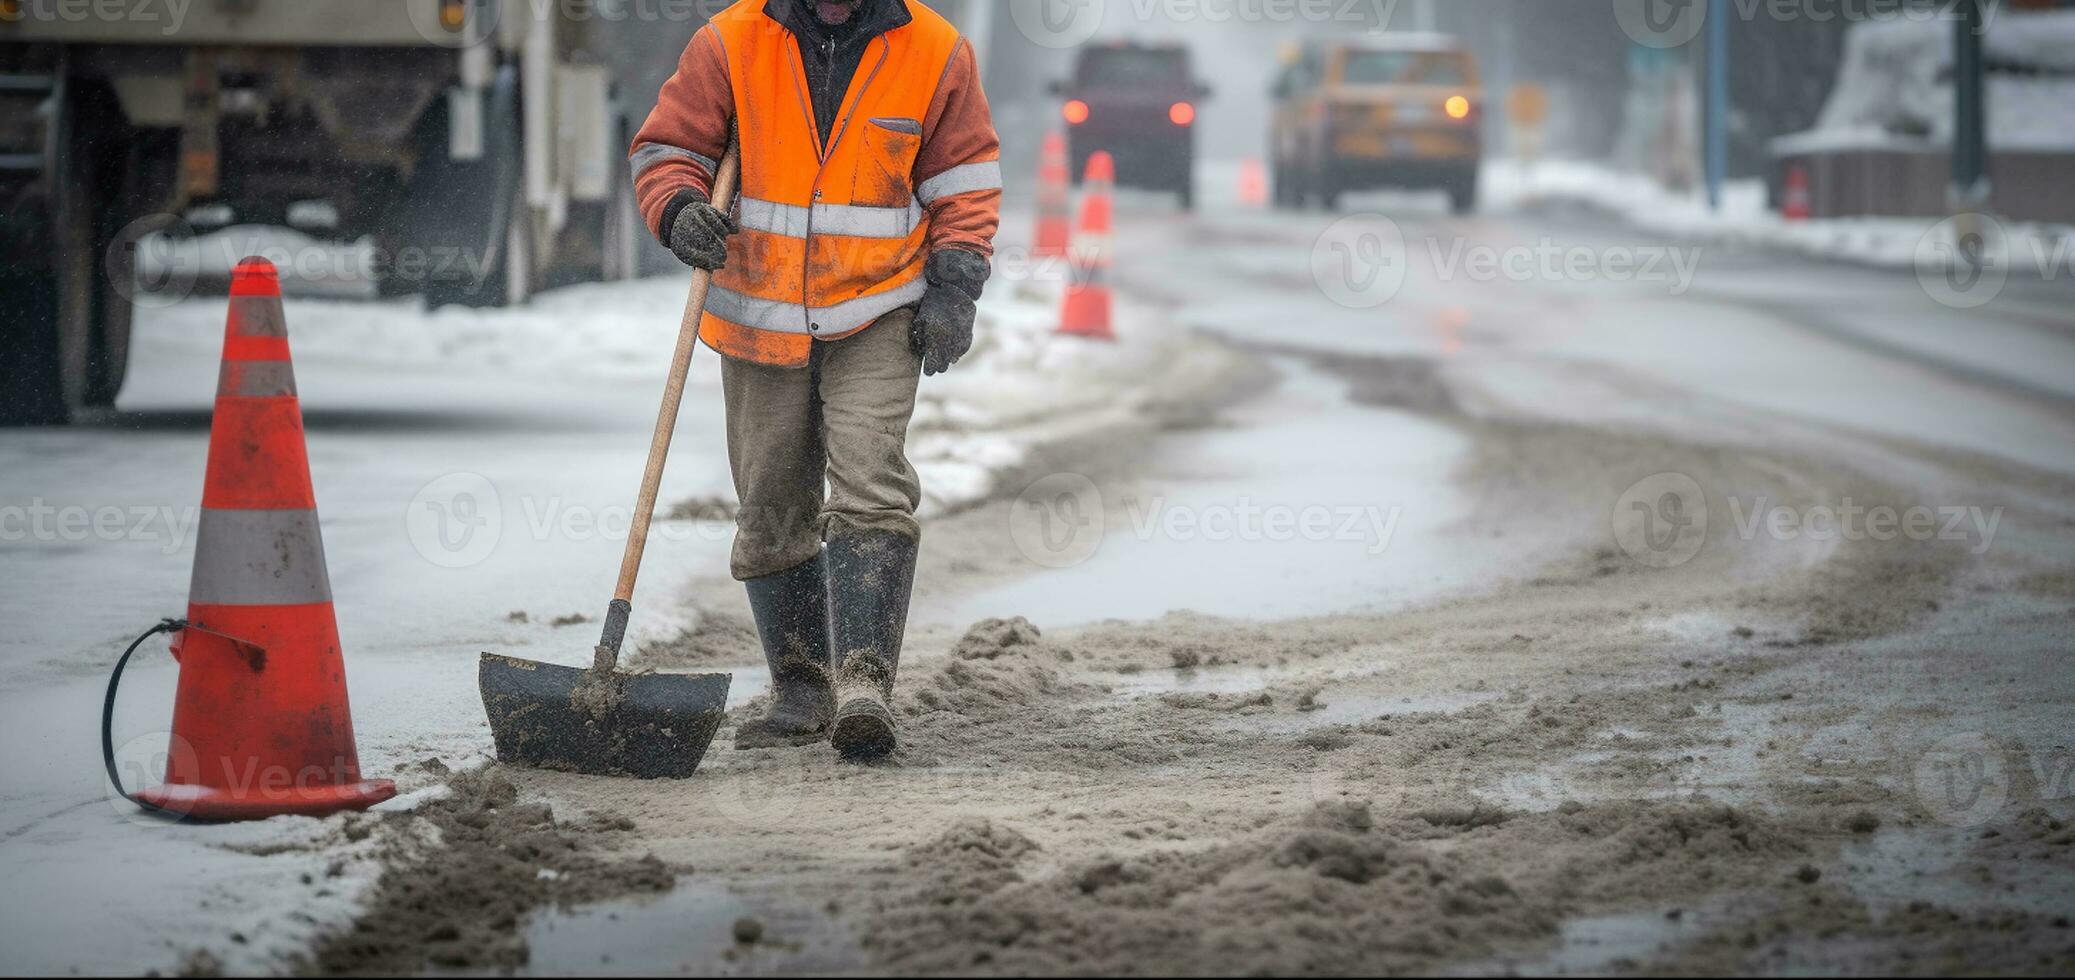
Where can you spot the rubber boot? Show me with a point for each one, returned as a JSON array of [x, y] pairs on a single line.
[[791, 609], [871, 574]]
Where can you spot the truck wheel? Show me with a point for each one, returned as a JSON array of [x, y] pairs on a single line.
[[1327, 189], [1462, 193], [623, 231], [71, 318], [465, 219], [602, 242], [30, 392]]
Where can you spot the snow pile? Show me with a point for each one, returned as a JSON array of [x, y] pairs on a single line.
[[1745, 219], [1894, 90]]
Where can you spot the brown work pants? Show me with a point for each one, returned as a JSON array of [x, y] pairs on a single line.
[[822, 449]]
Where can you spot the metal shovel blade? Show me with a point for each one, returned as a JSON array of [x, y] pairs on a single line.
[[648, 726]]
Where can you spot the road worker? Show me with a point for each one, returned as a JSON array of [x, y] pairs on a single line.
[[849, 267]]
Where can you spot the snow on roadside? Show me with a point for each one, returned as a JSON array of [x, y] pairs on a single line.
[[1900, 243], [1022, 383]]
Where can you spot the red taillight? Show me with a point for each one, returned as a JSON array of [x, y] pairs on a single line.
[[1182, 113], [10, 10], [1076, 112], [1457, 107]]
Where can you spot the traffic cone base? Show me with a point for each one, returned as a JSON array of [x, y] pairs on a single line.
[[1086, 313], [1795, 204], [222, 806], [261, 723]]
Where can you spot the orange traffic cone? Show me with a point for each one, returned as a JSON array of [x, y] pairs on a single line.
[[1086, 310], [1794, 197], [1253, 183], [1054, 199], [260, 723]]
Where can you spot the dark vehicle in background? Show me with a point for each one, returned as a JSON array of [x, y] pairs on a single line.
[[1384, 111], [1138, 102]]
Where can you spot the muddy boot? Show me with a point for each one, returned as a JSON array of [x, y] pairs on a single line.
[[870, 576], [791, 610]]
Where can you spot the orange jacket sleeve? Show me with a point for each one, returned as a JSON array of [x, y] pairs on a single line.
[[679, 148], [958, 170]]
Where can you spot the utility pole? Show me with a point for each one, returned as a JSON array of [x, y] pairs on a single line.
[[1970, 180], [1717, 138]]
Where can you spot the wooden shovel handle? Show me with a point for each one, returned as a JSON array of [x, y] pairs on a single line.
[[724, 184]]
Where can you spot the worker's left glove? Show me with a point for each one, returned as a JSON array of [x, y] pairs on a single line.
[[944, 324]]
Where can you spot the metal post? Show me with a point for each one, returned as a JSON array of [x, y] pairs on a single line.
[[1970, 179], [1717, 101]]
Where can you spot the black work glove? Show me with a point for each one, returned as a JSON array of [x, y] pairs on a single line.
[[943, 329], [699, 233]]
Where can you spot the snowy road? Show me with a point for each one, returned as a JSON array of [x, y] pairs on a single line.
[[1406, 346]]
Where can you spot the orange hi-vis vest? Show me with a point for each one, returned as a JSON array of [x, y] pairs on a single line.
[[832, 239]]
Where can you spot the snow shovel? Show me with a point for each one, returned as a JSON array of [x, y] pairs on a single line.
[[601, 721]]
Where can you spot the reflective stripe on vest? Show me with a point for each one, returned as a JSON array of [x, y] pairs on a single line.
[[834, 231], [843, 318], [958, 180], [847, 220]]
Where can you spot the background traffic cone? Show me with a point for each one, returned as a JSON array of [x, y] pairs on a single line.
[[260, 727], [1086, 310], [1054, 199], [1253, 183], [1794, 196]]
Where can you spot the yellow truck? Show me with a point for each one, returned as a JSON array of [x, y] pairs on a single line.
[[1388, 110]]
